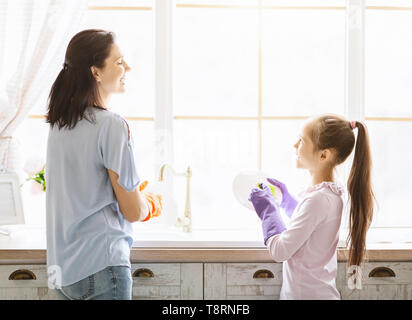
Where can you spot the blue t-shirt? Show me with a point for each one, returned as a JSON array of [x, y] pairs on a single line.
[[86, 231]]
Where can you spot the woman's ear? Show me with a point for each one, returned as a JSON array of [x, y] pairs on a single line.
[[95, 73]]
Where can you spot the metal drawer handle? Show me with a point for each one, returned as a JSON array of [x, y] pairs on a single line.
[[381, 272], [143, 273], [22, 274], [263, 273]]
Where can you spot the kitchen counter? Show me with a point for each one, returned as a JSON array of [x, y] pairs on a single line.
[[27, 245]]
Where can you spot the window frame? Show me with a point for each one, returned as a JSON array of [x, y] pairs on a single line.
[[164, 117]]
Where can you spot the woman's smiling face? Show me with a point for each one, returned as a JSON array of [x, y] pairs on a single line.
[[111, 78]]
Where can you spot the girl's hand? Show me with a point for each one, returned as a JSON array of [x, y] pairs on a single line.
[[262, 198], [289, 203], [268, 211]]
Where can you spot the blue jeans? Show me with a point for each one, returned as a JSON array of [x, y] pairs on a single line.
[[111, 283]]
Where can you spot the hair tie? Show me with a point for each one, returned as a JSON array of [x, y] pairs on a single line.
[[353, 124]]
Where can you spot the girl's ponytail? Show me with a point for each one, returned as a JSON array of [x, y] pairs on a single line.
[[336, 133], [361, 197]]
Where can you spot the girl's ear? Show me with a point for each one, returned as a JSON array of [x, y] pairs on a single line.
[[329, 155], [326, 155]]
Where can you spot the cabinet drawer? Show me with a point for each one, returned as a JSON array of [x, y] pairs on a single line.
[[167, 281], [376, 273], [254, 274], [388, 273], [156, 274], [31, 276], [242, 281], [380, 280], [31, 286]]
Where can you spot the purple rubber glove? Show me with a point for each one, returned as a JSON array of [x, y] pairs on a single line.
[[289, 203], [268, 211]]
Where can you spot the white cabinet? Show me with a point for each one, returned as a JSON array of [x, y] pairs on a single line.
[[380, 280], [24, 282], [168, 281], [150, 281], [242, 281], [216, 281]]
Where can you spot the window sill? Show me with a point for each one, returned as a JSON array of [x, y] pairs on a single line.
[[386, 235]]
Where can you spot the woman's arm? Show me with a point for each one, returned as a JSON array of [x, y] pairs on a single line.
[[132, 205]]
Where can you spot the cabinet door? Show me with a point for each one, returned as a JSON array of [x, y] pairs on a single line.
[[242, 281], [167, 281], [380, 280], [408, 292]]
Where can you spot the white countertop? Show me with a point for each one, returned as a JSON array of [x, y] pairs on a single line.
[[27, 245], [34, 238]]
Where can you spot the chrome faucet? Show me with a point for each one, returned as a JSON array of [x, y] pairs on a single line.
[[186, 222]]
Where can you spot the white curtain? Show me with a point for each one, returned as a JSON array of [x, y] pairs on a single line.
[[34, 35]]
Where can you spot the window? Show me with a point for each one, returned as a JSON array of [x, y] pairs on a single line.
[[388, 106], [129, 20], [245, 75], [132, 21], [243, 86]]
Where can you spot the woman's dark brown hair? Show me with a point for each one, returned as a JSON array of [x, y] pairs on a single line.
[[75, 89], [335, 132]]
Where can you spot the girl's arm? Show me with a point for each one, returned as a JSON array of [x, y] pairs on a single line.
[[309, 214]]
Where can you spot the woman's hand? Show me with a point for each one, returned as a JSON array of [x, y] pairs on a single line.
[[153, 201]]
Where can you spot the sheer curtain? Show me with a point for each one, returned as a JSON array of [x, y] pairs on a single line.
[[33, 36]]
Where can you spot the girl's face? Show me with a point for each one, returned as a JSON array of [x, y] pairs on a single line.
[[306, 158], [111, 78]]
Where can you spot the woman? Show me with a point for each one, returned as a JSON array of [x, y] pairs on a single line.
[[90, 155]]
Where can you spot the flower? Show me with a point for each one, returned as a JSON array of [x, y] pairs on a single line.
[[36, 188], [39, 178], [33, 165]]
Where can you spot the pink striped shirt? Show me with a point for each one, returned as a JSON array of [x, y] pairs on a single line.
[[308, 246]]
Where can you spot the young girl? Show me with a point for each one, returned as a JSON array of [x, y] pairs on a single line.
[[308, 246]]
